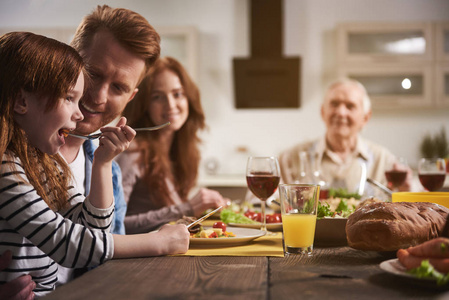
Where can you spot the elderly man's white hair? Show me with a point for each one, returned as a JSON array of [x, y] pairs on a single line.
[[366, 101]]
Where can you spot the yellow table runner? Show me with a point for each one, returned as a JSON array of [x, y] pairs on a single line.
[[268, 245]]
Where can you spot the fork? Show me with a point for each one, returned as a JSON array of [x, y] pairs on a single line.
[[381, 186], [97, 135]]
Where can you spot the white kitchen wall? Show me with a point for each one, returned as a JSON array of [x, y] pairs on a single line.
[[224, 33]]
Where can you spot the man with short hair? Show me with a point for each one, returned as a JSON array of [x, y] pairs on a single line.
[[118, 46], [342, 153]]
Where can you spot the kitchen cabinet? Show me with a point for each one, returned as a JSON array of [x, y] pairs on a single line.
[[442, 64], [402, 65]]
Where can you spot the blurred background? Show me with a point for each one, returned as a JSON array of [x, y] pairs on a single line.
[[206, 36]]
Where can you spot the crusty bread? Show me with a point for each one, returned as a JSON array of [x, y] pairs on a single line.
[[392, 226]]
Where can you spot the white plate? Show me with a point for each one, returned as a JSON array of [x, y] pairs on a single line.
[[242, 235], [270, 226], [393, 266]]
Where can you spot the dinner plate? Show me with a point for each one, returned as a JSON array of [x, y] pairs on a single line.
[[270, 226], [242, 235], [330, 232], [393, 266]]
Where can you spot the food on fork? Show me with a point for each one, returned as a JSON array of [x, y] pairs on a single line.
[[388, 226], [65, 132], [187, 220]]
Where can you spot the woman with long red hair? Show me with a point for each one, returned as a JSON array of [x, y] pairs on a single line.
[[160, 168]]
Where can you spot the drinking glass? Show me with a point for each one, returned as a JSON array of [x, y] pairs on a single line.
[[262, 176], [397, 173], [431, 173], [299, 203]]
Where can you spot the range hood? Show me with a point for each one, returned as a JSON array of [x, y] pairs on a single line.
[[266, 79]]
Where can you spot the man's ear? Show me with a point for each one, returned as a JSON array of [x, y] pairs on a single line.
[[20, 104], [132, 95], [367, 116]]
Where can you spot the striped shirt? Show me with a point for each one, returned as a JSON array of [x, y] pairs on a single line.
[[40, 238]]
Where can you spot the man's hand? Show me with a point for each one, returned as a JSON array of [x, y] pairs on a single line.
[[20, 288]]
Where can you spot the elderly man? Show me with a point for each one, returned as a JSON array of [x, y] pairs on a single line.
[[342, 155]]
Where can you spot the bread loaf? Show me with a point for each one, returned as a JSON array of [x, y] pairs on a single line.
[[392, 226]]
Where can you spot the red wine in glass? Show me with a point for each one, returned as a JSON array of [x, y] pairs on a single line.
[[263, 176], [262, 184], [432, 181], [396, 177], [431, 173]]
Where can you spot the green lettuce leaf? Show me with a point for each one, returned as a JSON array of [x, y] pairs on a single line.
[[426, 270], [228, 216], [343, 209]]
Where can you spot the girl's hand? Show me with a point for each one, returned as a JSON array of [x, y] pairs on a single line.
[[170, 239], [206, 199], [176, 239], [114, 140]]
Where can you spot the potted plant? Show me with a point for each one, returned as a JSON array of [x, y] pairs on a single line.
[[436, 146]]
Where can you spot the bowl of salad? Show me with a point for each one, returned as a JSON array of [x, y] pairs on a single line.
[[332, 216]]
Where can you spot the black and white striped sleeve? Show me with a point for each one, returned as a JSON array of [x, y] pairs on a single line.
[[69, 244], [81, 211]]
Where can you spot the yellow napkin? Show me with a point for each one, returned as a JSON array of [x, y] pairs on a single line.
[[268, 245]]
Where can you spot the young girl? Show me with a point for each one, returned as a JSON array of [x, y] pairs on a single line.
[[161, 167], [41, 82]]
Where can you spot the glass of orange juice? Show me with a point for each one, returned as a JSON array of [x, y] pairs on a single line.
[[299, 204]]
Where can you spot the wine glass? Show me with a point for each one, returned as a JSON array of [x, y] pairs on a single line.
[[263, 176], [431, 173], [397, 173]]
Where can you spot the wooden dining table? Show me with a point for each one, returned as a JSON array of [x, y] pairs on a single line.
[[330, 273]]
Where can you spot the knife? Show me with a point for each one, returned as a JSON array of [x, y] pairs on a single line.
[[204, 217]]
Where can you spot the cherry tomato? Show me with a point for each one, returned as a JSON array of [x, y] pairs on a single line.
[[251, 215], [220, 225], [257, 217], [274, 218], [213, 235], [248, 214], [278, 218], [270, 219]]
